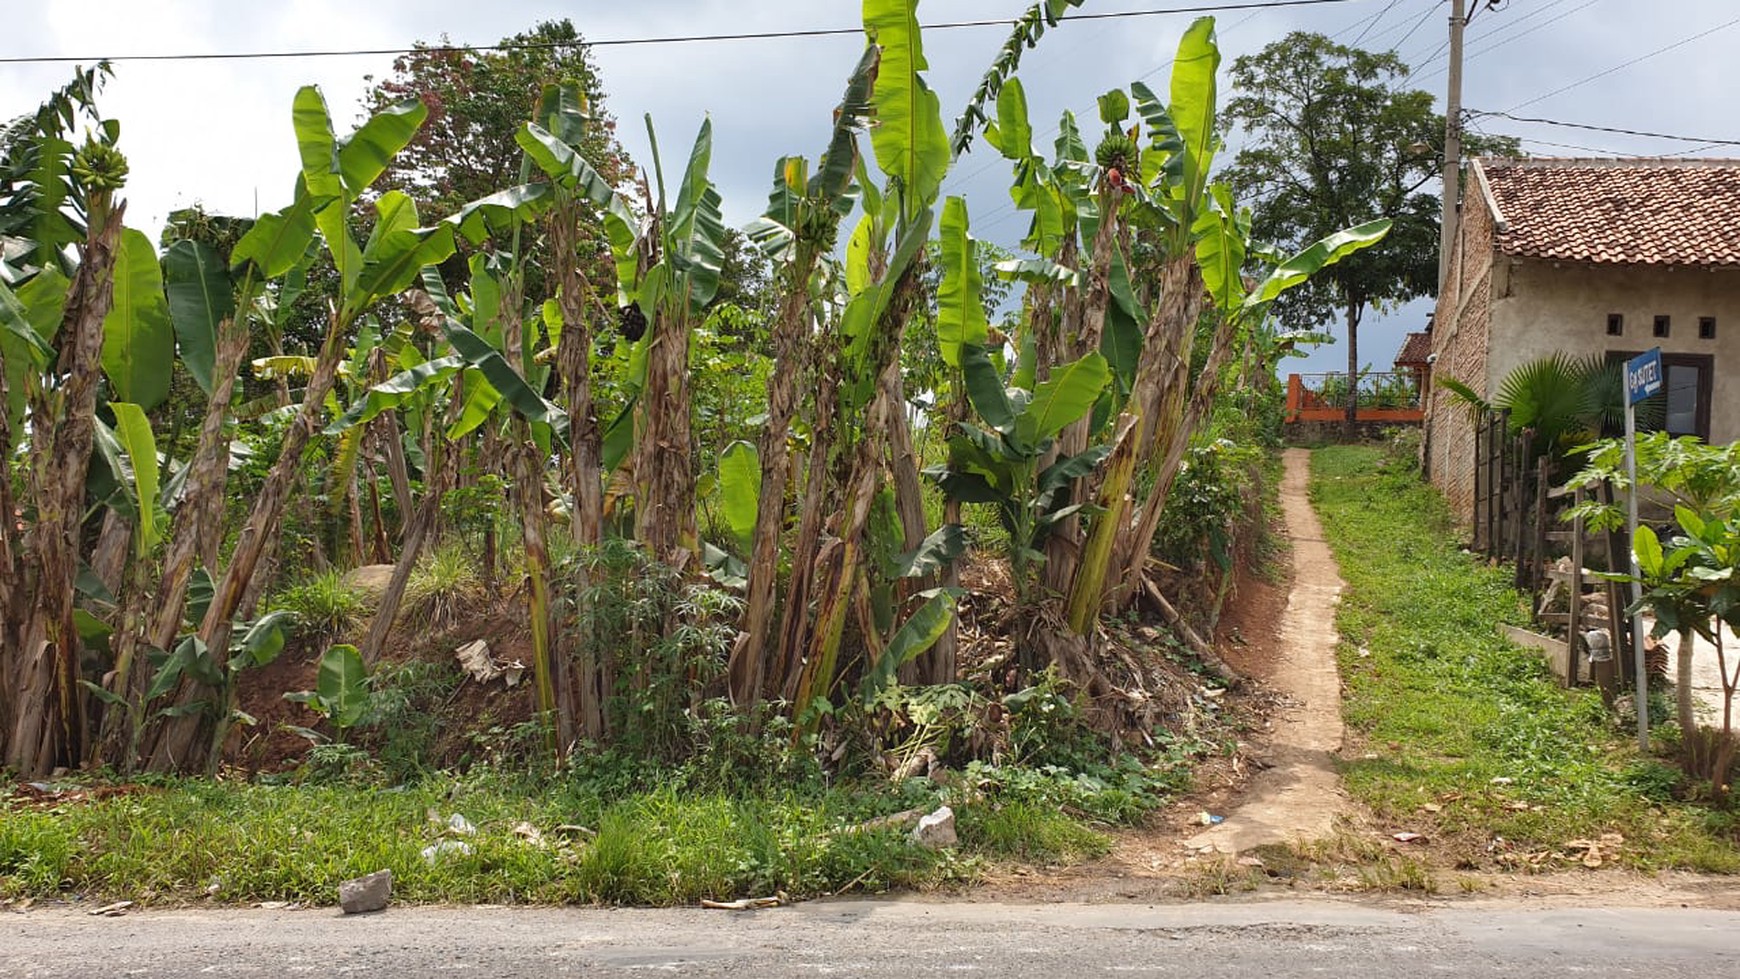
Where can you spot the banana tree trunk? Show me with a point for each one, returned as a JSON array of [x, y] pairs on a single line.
[[108, 559], [1063, 550], [1162, 370], [177, 747], [585, 455], [418, 530], [664, 475], [49, 723], [10, 573], [1132, 553], [197, 521], [818, 481], [574, 360], [750, 657], [835, 595], [1683, 701], [1082, 608]]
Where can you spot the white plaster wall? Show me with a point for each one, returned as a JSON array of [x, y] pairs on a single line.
[[1539, 308]]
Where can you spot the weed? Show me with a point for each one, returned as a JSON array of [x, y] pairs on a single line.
[[1453, 716], [1218, 875], [443, 588], [326, 608]]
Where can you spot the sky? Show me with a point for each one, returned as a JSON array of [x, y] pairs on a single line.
[[218, 132]]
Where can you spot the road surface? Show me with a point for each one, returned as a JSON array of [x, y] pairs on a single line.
[[884, 938]]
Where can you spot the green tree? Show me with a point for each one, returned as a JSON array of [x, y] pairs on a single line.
[[1334, 141], [478, 99]]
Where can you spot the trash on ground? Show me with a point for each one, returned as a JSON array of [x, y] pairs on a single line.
[[742, 904], [440, 848]]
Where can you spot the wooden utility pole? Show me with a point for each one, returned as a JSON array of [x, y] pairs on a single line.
[[1452, 142]]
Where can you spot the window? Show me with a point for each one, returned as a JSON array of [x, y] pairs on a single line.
[[1661, 326], [1615, 324], [1683, 406], [1706, 327]]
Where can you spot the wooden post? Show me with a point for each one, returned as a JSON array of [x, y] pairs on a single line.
[[1537, 570], [1574, 625]]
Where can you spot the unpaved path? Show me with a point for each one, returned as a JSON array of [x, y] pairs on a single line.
[[1298, 797]]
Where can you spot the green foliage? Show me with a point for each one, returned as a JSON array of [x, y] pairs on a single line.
[[1446, 706], [667, 639], [325, 606], [443, 589], [999, 464], [1209, 500], [406, 702], [138, 341], [341, 689]]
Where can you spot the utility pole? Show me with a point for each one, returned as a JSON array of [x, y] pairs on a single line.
[[1452, 143]]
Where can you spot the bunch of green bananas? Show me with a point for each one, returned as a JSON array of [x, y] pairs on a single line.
[[99, 167]]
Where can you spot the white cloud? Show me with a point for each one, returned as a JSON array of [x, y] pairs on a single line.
[[219, 132]]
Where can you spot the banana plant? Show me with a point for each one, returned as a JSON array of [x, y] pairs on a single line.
[[340, 694], [44, 709], [860, 379], [335, 174], [798, 231], [1002, 461], [678, 256]]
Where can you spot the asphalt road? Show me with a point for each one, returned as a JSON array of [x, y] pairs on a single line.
[[883, 938]]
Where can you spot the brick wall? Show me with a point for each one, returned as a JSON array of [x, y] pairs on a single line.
[[1461, 327]]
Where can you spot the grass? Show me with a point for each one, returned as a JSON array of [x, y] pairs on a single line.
[[249, 842], [325, 606], [245, 842], [1460, 734], [443, 588]]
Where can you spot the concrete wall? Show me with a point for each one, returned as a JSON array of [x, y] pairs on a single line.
[[1496, 312], [1539, 308]]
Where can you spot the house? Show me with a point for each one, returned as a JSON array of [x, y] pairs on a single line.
[[1590, 256]]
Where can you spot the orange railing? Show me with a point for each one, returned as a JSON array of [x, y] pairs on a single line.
[[1381, 397]]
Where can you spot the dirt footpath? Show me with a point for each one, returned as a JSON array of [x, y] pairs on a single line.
[[1299, 796]]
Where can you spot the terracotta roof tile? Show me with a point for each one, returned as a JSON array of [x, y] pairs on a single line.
[[1416, 347], [1630, 212]]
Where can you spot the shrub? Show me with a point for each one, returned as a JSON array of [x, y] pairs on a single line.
[[444, 587], [325, 606], [1208, 501], [663, 639]]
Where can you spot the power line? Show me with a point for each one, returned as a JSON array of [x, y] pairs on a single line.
[[1416, 26], [1641, 58], [666, 39], [1519, 35], [1374, 22], [1609, 129]]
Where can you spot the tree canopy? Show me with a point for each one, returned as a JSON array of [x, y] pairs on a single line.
[[477, 99], [1333, 140]]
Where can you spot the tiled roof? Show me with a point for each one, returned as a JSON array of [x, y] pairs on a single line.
[[1416, 347], [1627, 212]]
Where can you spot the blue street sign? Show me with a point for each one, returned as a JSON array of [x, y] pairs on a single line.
[[1642, 376]]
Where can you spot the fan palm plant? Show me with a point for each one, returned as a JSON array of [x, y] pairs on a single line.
[[1560, 400]]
